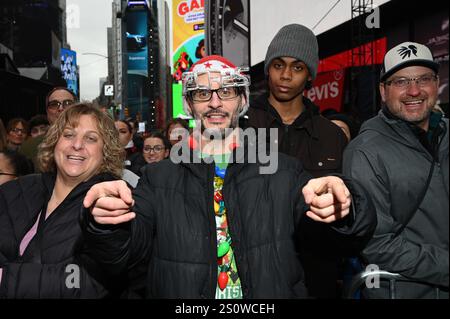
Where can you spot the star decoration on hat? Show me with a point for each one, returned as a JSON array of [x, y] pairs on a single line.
[[207, 65]]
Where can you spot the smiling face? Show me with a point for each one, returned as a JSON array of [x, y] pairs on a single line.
[[414, 102], [287, 78], [57, 96], [79, 151], [154, 150], [217, 114]]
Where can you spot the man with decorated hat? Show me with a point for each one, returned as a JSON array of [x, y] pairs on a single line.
[[208, 221], [401, 157]]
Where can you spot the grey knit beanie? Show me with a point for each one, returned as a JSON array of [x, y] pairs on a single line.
[[294, 41]]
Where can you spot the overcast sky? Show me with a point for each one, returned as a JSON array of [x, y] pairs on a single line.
[[319, 15], [90, 37], [95, 16]]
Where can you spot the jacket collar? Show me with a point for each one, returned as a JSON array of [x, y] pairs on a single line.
[[304, 121], [49, 179]]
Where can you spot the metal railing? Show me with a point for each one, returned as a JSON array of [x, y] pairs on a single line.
[[361, 278]]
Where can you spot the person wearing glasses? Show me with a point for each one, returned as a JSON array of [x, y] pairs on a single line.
[[156, 147], [211, 222], [13, 165], [41, 243], [401, 157], [56, 101], [17, 132]]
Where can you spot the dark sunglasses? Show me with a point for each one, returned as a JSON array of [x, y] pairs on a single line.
[[54, 105]]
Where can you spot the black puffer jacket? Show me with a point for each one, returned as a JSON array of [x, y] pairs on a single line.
[[45, 267], [175, 228]]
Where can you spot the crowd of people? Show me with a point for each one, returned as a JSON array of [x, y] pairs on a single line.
[[190, 213]]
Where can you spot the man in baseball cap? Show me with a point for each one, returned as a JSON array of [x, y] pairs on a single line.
[[401, 158], [407, 54]]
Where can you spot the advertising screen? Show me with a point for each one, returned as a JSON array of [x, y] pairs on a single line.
[[137, 54], [188, 25], [69, 69]]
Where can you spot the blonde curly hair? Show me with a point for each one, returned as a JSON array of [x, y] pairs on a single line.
[[113, 152]]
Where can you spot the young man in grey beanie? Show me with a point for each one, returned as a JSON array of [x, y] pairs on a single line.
[[290, 68]]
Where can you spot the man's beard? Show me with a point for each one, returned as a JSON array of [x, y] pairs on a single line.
[[218, 133]]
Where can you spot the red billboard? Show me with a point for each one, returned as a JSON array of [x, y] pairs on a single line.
[[328, 90]]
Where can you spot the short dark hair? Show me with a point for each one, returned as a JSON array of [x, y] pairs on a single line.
[[198, 53], [161, 136], [184, 123], [352, 124], [130, 129], [59, 88], [37, 120]]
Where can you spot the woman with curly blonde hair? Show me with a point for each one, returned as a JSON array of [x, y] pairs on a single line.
[[41, 243]]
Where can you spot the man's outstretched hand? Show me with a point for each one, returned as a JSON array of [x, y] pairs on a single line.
[[110, 203], [328, 197]]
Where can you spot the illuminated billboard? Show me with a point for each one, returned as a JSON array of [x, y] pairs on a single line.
[[137, 57], [188, 25], [69, 69]]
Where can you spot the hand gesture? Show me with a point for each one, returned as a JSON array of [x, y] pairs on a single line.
[[110, 203], [328, 197]]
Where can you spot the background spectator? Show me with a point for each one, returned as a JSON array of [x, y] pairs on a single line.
[[17, 132], [80, 149], [156, 147], [176, 124], [13, 165], [39, 125]]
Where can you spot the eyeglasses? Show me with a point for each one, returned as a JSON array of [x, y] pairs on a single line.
[[8, 174], [156, 149], [422, 81], [54, 105], [205, 95], [18, 130]]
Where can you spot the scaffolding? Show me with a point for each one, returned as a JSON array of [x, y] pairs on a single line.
[[363, 48]]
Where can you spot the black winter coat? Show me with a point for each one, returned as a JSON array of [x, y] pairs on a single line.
[[55, 256], [319, 145], [314, 140], [175, 229]]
